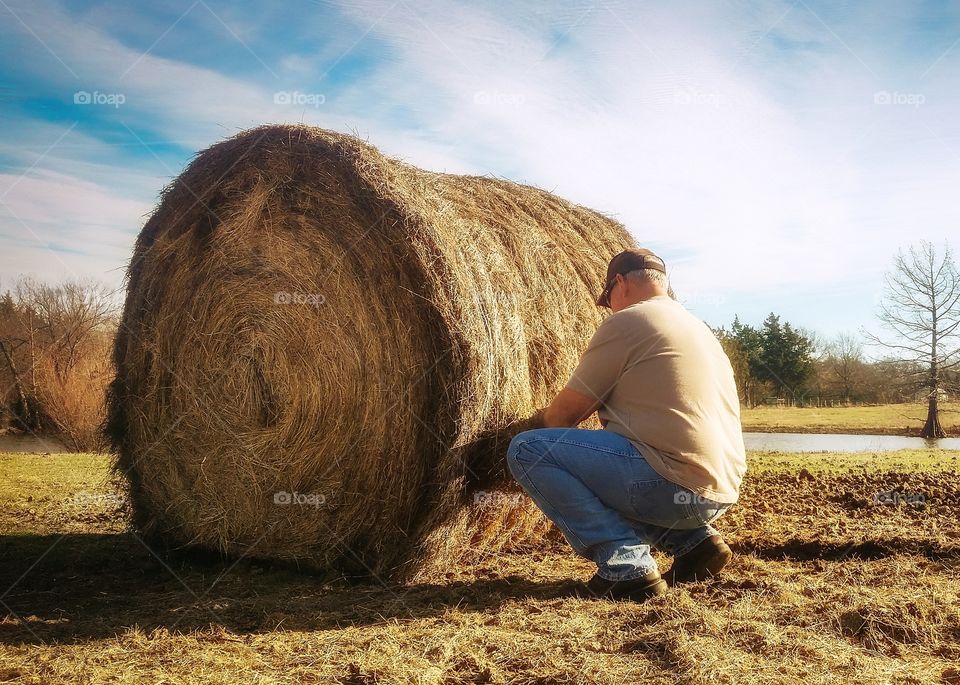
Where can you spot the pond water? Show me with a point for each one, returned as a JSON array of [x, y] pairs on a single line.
[[842, 442], [30, 444]]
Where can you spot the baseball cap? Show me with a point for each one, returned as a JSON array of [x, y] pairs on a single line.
[[625, 262]]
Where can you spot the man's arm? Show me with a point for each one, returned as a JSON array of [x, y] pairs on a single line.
[[568, 409], [592, 381]]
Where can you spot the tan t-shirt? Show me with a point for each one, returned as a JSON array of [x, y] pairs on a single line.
[[667, 386]]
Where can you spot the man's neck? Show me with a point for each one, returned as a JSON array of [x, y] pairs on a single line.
[[646, 293]]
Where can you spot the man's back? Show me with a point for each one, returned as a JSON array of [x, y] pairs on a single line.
[[667, 386]]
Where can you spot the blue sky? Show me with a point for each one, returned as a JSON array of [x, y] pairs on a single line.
[[776, 154]]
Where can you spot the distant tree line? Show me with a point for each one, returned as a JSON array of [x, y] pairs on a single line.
[[918, 349], [777, 362]]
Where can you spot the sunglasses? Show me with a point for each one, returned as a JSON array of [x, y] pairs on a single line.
[[605, 297]]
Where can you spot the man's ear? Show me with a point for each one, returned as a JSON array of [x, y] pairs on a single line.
[[626, 284]]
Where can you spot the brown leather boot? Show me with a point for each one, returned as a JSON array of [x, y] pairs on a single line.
[[700, 563], [636, 589]]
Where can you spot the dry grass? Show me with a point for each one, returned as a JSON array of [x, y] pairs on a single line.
[[884, 419], [75, 402], [305, 315], [826, 588]]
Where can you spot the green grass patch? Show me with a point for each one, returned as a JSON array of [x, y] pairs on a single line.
[[884, 419], [41, 493]]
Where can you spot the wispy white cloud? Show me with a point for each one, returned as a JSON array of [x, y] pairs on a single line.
[[667, 121], [53, 224], [690, 155], [48, 198]]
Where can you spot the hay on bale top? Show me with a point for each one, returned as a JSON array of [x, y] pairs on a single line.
[[305, 315]]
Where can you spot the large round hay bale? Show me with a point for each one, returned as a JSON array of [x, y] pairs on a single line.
[[324, 352]]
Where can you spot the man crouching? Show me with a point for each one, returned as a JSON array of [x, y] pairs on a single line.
[[670, 458]]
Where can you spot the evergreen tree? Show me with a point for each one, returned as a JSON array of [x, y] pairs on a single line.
[[786, 357]]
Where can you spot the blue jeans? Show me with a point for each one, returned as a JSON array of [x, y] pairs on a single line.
[[608, 502]]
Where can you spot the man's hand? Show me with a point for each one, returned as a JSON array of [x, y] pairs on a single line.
[[568, 409]]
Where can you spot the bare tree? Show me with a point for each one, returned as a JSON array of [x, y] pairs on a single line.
[[55, 348], [845, 356], [67, 314], [13, 338], [920, 310]]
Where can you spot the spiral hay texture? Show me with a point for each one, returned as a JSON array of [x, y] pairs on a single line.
[[324, 353]]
